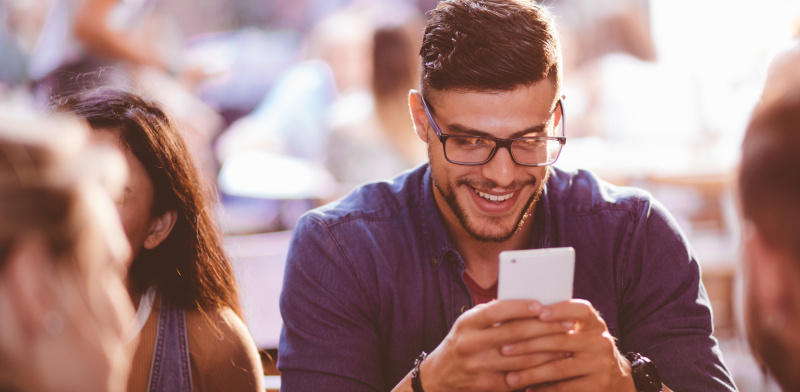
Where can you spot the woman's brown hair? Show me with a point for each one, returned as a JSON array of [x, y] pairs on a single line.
[[190, 268]]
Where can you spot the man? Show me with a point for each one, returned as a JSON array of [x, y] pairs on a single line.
[[393, 270], [770, 199]]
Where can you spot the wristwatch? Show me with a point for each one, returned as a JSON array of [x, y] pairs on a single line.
[[416, 380], [645, 373]]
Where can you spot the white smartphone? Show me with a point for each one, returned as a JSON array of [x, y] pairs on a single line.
[[545, 275]]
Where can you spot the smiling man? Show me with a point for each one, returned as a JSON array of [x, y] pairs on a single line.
[[394, 286]]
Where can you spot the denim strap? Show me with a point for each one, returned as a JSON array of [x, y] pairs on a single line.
[[170, 370]]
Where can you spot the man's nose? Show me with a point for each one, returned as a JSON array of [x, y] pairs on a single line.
[[501, 169]]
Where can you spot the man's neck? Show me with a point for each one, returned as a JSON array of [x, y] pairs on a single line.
[[481, 258]]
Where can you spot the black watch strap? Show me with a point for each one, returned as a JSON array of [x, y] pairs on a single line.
[[416, 380], [645, 373]]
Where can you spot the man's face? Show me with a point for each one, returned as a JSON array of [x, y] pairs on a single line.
[[491, 201]]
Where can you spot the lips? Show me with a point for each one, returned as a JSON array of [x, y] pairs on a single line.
[[495, 203], [494, 198]]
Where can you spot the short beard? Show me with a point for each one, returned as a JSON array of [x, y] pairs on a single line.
[[449, 196]]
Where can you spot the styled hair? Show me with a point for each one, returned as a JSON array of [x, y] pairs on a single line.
[[36, 193], [769, 185], [489, 45], [190, 268]]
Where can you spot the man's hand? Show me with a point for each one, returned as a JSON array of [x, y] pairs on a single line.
[[469, 358], [595, 364]]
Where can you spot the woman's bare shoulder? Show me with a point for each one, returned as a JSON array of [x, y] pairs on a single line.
[[223, 354]]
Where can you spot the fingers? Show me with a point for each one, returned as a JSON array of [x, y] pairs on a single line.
[[562, 371], [580, 311], [594, 358], [527, 361], [516, 331], [581, 322], [497, 312], [576, 343]]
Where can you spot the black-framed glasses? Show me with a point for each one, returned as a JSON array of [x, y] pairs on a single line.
[[478, 150]]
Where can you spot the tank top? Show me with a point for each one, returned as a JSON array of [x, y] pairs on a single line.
[[171, 369]]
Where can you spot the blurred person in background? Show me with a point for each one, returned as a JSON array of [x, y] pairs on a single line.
[[769, 191], [181, 279], [80, 37], [379, 142], [603, 39], [13, 62], [292, 118], [64, 310], [131, 44], [332, 90]]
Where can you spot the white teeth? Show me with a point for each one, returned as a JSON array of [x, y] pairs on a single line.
[[493, 197]]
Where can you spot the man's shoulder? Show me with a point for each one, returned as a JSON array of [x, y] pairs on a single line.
[[582, 191], [379, 200]]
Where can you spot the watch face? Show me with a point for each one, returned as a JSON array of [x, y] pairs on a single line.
[[645, 375]]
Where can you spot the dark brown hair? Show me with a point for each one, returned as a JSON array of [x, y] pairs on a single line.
[[392, 57], [489, 45], [769, 179], [190, 268], [35, 197]]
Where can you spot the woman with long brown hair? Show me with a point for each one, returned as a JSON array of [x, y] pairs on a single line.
[[181, 280]]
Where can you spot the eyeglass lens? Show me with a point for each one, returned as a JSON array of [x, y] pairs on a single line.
[[467, 149]]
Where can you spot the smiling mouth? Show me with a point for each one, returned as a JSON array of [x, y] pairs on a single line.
[[494, 198]]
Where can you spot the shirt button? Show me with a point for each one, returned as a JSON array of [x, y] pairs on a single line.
[[434, 263], [464, 308]]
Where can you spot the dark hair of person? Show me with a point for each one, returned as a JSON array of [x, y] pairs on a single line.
[[396, 71], [190, 268], [391, 58], [489, 45], [32, 202], [769, 184]]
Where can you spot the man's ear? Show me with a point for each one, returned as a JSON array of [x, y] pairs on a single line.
[[160, 227], [559, 114], [28, 276], [418, 114]]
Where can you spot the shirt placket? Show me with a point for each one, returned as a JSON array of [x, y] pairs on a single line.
[[461, 297]]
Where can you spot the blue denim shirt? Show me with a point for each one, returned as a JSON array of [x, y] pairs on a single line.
[[373, 279]]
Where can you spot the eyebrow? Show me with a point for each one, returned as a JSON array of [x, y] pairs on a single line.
[[462, 129], [465, 130]]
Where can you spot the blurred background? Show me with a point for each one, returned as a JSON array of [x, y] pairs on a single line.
[[288, 105]]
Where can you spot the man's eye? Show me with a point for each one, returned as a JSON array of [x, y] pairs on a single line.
[[474, 141]]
